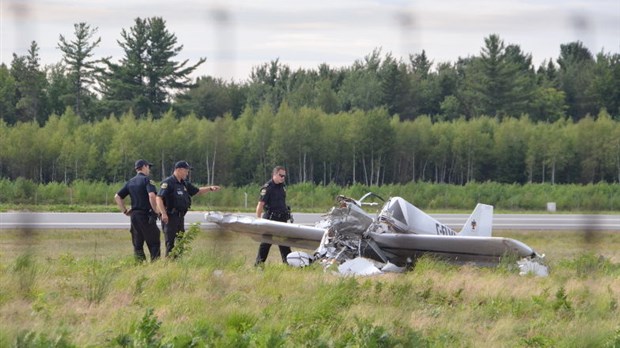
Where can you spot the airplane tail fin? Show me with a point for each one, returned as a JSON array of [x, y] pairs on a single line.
[[480, 222]]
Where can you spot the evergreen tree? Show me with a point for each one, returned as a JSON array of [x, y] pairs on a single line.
[[547, 74], [605, 88], [124, 83], [326, 97], [576, 76], [31, 83], [303, 92], [211, 98], [8, 92], [395, 87], [329, 82], [147, 74], [268, 85], [60, 92], [445, 83], [469, 90], [164, 74], [498, 77], [77, 55], [425, 89], [361, 87]]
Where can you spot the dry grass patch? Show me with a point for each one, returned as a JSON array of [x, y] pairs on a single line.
[[213, 295]]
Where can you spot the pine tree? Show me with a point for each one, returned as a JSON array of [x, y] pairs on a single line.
[[81, 68], [146, 75], [31, 82]]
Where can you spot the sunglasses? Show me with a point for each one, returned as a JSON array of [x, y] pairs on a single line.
[[282, 175]]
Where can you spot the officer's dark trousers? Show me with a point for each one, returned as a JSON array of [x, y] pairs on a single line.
[[263, 250], [176, 223], [143, 230]]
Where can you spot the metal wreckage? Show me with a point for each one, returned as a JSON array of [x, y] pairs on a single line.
[[357, 243]]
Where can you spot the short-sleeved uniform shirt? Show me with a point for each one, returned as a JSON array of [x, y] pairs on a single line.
[[138, 188], [274, 196], [177, 194]]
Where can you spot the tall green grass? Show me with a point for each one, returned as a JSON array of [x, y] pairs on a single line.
[[84, 289]]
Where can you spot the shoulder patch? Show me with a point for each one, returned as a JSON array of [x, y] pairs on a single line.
[[164, 185], [152, 182], [263, 191]]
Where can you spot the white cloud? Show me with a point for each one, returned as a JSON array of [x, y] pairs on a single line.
[[306, 34]]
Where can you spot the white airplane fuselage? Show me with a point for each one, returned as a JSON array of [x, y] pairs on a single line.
[[407, 218]]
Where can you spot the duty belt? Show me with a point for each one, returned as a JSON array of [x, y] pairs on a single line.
[[278, 215], [176, 212]]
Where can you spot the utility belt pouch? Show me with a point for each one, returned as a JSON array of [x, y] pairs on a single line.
[[279, 215]]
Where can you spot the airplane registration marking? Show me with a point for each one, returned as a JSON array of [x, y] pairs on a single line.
[[444, 230]]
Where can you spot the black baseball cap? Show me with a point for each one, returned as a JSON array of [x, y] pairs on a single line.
[[141, 163], [182, 164]]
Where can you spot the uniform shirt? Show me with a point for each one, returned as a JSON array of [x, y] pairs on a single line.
[[177, 194], [274, 196], [138, 188]]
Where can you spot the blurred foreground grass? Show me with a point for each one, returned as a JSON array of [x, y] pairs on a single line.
[[83, 289]]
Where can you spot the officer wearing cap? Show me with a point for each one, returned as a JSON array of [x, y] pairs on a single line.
[[143, 211], [174, 200], [272, 205]]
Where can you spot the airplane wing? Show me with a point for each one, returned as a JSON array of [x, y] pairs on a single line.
[[263, 230], [456, 248]]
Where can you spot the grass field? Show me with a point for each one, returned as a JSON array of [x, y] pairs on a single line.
[[83, 289]]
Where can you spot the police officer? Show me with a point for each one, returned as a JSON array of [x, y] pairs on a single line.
[[272, 206], [143, 211], [174, 200]]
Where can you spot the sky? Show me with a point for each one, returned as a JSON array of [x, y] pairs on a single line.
[[237, 35]]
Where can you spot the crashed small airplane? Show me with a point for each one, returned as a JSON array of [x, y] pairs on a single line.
[[393, 240]]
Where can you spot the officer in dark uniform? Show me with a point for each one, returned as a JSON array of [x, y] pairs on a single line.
[[174, 200], [272, 206], [143, 211]]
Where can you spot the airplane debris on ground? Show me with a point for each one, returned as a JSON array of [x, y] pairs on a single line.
[[358, 243]]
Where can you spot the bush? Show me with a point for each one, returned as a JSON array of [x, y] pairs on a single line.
[[53, 193], [25, 191], [308, 196], [6, 187], [85, 192]]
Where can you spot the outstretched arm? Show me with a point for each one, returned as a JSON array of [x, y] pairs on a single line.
[[206, 189]]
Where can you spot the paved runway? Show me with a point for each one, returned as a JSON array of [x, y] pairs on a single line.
[[94, 221]]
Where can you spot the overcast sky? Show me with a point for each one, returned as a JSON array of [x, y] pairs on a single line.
[[236, 35]]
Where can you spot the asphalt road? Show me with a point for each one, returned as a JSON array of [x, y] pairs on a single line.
[[20, 220]]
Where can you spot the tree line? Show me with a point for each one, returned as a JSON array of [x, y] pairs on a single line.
[[148, 81], [357, 147]]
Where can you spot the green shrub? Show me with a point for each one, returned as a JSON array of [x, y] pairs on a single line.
[[183, 241], [84, 192], [7, 188], [145, 334], [53, 193], [307, 196], [24, 192]]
